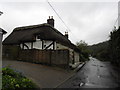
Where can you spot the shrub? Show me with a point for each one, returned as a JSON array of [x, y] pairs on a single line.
[[15, 80]]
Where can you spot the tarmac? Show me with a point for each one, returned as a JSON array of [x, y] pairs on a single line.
[[42, 75]]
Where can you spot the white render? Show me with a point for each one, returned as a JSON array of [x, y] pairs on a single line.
[[37, 44], [76, 57], [29, 45], [60, 46], [46, 43]]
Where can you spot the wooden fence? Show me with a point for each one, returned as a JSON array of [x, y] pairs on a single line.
[[50, 57]]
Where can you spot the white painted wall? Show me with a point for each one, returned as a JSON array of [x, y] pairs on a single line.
[[20, 45], [28, 44], [76, 57], [37, 44], [47, 43], [60, 46]]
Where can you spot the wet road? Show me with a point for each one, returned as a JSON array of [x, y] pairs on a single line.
[[95, 74]]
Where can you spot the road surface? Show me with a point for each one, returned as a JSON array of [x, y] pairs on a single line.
[[95, 74], [42, 75]]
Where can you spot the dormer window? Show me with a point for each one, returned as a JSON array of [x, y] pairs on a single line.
[[38, 37]]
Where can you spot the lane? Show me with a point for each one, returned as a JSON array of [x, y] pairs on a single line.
[[95, 74]]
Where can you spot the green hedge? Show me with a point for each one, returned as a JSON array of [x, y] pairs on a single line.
[[15, 80]]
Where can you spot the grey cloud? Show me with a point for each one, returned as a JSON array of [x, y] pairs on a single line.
[[91, 21]]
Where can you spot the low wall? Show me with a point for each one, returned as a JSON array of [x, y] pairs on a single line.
[[10, 52], [50, 57]]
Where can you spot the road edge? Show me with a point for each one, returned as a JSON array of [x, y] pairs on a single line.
[[74, 72]]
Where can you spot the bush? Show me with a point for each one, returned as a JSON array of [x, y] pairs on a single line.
[[84, 55], [14, 80]]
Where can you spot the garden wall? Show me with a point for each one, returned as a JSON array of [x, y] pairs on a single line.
[[50, 57]]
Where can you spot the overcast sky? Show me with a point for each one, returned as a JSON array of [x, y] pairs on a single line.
[[88, 21]]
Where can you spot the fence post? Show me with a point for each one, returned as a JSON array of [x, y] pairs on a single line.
[[50, 57], [68, 52]]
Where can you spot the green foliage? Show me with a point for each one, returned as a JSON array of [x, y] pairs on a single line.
[[103, 55], [14, 80], [100, 51], [82, 45], [114, 46], [83, 58], [108, 50]]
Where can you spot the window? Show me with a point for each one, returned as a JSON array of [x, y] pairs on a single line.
[[38, 37]]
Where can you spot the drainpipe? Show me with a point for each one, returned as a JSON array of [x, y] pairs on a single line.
[[0, 59], [1, 35]]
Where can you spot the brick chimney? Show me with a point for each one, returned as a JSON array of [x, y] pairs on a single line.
[[66, 34], [50, 21]]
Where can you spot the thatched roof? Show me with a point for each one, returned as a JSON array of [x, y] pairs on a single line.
[[3, 31], [28, 33]]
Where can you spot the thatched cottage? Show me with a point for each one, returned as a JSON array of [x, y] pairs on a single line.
[[42, 39]]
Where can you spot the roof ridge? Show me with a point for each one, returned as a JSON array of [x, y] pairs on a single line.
[[38, 25], [30, 26]]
